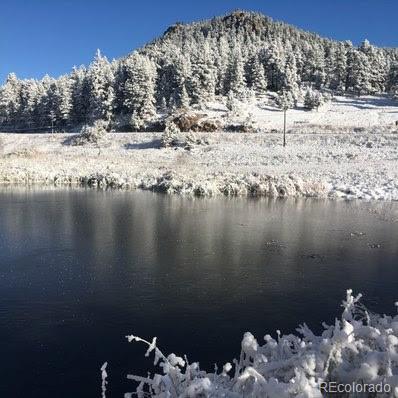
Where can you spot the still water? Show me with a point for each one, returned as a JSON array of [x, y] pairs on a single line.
[[80, 269]]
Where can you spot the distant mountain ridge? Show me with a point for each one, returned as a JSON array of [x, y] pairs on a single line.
[[236, 56]]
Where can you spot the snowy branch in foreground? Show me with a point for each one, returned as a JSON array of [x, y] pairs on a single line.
[[359, 350], [104, 376]]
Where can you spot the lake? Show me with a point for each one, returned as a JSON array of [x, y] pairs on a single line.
[[80, 269]]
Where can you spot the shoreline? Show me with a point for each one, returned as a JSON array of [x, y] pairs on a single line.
[[316, 165]]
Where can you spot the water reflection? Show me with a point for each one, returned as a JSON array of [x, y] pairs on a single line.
[[81, 269]]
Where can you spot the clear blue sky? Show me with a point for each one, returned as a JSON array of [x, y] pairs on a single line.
[[50, 36]]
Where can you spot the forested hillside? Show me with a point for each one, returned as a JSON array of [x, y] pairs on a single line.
[[236, 56]]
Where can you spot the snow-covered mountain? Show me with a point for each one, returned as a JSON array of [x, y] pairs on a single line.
[[238, 56]]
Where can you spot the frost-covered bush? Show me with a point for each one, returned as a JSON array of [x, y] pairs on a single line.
[[232, 104], [360, 347], [91, 134], [313, 99], [173, 137], [170, 136]]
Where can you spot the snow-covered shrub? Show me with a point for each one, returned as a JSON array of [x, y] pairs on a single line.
[[313, 99], [170, 136], [232, 104], [91, 134], [137, 122], [249, 125], [360, 348], [173, 137]]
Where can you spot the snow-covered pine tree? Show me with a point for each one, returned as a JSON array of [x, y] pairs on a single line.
[[319, 72], [163, 105], [222, 62], [285, 100], [235, 79], [184, 100], [290, 79], [10, 100], [258, 79], [203, 78], [139, 89], [181, 80], [274, 60], [338, 69], [393, 80], [100, 79], [65, 101], [378, 68], [359, 73], [80, 96], [27, 94]]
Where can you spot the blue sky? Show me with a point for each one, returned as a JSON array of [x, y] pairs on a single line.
[[50, 36]]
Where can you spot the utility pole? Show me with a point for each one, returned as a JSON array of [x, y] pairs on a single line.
[[52, 117], [284, 127]]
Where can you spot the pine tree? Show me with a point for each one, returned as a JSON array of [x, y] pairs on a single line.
[[377, 66], [163, 105], [359, 73], [290, 80], [10, 100], [285, 100], [258, 80], [235, 81], [339, 69], [274, 65], [184, 99], [393, 80], [139, 89], [80, 96], [100, 79], [203, 79]]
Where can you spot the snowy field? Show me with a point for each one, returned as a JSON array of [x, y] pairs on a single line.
[[347, 149]]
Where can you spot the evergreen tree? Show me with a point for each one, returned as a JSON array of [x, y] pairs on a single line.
[[10, 100], [393, 80], [100, 78], [275, 65], [139, 89], [258, 80], [80, 96], [203, 78], [235, 80], [290, 80], [359, 73], [338, 67]]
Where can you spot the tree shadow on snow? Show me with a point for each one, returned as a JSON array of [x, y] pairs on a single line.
[[367, 103], [154, 144]]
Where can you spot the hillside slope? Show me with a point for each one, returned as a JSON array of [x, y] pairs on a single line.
[[234, 57]]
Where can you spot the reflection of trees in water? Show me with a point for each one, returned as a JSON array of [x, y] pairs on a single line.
[[177, 245]]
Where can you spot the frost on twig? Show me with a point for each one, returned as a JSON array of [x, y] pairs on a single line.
[[104, 375], [357, 348]]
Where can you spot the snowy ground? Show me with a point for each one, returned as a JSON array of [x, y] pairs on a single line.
[[340, 114], [347, 149]]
